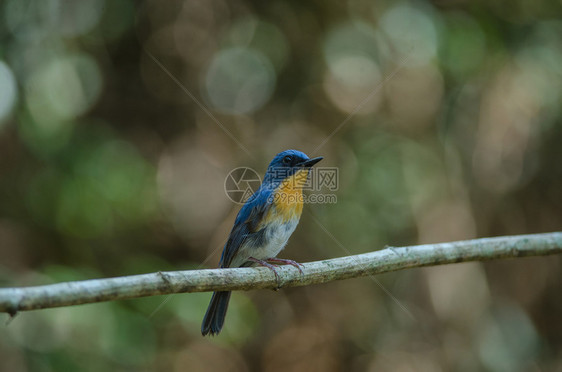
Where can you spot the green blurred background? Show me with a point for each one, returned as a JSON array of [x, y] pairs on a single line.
[[109, 167]]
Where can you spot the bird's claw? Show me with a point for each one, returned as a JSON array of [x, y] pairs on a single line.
[[270, 267], [288, 262]]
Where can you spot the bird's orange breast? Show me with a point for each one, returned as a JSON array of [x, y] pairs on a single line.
[[288, 198]]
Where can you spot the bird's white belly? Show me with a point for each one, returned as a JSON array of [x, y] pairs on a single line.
[[276, 238]]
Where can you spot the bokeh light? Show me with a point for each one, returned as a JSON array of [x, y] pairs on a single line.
[[239, 81], [261, 36], [63, 88], [350, 52], [412, 33], [27, 19], [8, 91]]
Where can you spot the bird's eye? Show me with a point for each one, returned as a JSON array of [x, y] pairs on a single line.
[[287, 159]]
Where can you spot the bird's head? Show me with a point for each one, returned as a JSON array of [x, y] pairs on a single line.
[[289, 164]]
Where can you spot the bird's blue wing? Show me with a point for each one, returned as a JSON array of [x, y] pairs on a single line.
[[246, 225]]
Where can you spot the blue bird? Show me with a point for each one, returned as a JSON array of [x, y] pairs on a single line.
[[263, 226]]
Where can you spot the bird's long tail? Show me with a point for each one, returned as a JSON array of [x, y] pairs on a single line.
[[214, 317]]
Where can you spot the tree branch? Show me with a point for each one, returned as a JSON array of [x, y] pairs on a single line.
[[390, 259]]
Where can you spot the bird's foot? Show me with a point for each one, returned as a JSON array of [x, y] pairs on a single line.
[[287, 262], [270, 267]]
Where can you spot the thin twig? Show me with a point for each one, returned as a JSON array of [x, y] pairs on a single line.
[[13, 300]]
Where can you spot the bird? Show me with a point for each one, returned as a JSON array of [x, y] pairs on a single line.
[[263, 226]]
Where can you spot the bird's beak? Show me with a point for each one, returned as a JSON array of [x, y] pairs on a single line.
[[310, 162]]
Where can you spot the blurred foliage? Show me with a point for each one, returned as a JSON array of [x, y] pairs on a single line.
[[443, 118]]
